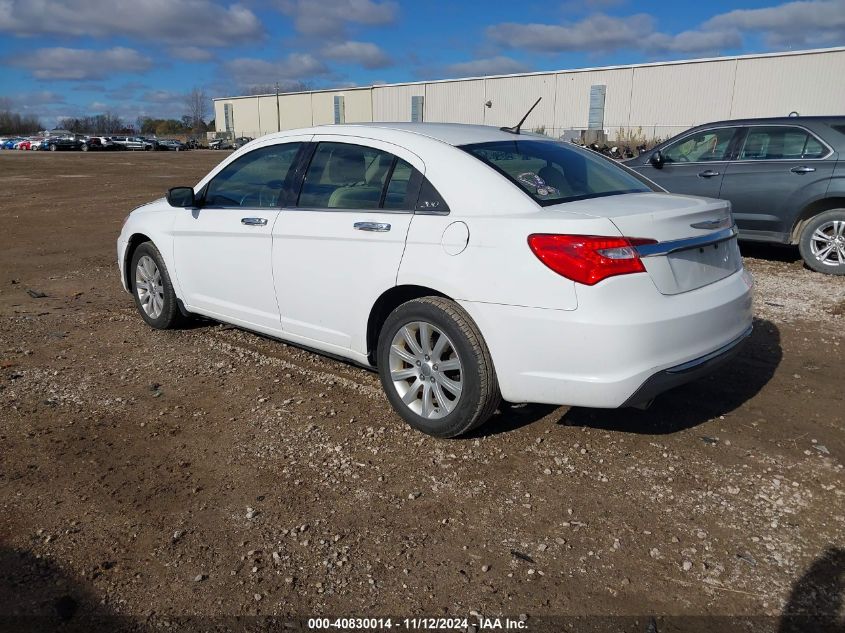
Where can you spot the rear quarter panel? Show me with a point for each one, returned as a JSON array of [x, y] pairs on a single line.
[[497, 265]]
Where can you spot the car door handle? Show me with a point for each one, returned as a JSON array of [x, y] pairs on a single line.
[[254, 221], [708, 173], [378, 227], [802, 169]]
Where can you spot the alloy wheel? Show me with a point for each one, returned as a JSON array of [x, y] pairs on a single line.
[[827, 243], [425, 369], [149, 287]]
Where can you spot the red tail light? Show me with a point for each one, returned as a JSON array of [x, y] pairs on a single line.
[[588, 259]]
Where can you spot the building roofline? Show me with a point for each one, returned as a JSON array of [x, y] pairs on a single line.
[[700, 60]]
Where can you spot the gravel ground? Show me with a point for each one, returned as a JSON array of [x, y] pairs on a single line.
[[174, 479]]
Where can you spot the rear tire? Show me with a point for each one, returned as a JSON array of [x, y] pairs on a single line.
[[435, 368], [822, 243], [152, 289]]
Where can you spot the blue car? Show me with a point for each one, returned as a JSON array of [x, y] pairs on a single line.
[[10, 144]]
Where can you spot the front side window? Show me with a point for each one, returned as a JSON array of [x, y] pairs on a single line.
[[700, 147], [344, 176], [255, 180], [780, 143], [552, 173]]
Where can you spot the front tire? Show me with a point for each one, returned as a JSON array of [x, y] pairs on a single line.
[[152, 289], [822, 243], [436, 369]]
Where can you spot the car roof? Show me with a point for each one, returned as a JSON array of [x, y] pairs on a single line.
[[791, 120], [450, 133]]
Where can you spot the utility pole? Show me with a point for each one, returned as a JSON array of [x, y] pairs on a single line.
[[278, 110]]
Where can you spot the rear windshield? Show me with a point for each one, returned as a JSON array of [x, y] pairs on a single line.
[[552, 173]]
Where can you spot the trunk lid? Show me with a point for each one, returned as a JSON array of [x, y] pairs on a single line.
[[697, 243]]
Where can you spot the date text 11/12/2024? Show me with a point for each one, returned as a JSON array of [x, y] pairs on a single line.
[[418, 624]]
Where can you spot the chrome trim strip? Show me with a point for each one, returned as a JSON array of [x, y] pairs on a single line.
[[340, 210], [392, 211], [718, 223], [664, 248], [701, 360]]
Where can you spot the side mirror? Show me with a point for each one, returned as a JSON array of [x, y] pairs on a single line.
[[182, 197], [656, 160]]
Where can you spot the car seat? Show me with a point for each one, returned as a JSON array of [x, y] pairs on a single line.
[[346, 167]]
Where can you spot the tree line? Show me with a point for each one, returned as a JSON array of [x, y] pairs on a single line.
[[193, 122], [16, 123]]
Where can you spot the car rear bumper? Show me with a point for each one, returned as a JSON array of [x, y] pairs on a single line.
[[686, 372], [624, 343]]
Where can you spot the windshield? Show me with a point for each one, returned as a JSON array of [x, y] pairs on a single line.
[[552, 172]]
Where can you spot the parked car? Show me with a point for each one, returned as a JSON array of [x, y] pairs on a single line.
[[220, 143], [784, 178], [133, 142], [241, 141], [56, 143], [171, 144], [463, 262], [105, 143], [24, 144], [10, 143], [92, 143]]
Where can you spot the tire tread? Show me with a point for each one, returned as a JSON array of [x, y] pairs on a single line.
[[489, 395]]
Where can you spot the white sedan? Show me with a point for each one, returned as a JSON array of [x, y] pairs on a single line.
[[466, 263]]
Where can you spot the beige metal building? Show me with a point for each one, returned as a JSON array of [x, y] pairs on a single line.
[[659, 99]]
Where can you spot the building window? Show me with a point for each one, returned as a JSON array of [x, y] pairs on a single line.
[[417, 102], [339, 110], [596, 118]]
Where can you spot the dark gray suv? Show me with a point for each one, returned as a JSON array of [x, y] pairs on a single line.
[[784, 177]]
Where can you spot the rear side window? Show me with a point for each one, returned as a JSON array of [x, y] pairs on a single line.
[[552, 173], [398, 188], [345, 176], [780, 143], [700, 147]]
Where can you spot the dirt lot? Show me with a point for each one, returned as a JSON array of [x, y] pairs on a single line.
[[210, 472]]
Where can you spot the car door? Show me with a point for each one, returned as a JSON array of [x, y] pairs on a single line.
[[695, 163], [339, 247], [778, 170], [223, 248]]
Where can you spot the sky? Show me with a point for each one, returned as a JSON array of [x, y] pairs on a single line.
[[139, 57]]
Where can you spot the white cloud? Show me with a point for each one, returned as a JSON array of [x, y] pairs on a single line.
[[329, 18], [790, 24], [366, 54], [691, 42], [804, 23], [191, 53], [180, 22], [247, 71], [163, 96], [38, 98], [77, 64], [599, 33], [500, 65]]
